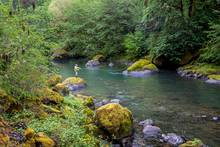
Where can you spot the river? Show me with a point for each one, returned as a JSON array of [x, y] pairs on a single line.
[[176, 104]]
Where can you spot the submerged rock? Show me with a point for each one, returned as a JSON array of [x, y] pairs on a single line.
[[152, 132], [111, 64], [137, 73], [173, 139], [115, 119]]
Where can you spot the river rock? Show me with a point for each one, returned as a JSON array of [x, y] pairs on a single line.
[[102, 103], [215, 118], [173, 139], [92, 63], [140, 68], [111, 64], [115, 119], [73, 83], [152, 132], [146, 122]]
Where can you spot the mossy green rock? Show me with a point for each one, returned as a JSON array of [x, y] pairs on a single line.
[[54, 79], [51, 96], [214, 77], [99, 58], [193, 143], [115, 119], [150, 67], [142, 64], [5, 101]]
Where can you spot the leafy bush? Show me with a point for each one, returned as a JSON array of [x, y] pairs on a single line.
[[211, 53], [99, 26], [135, 44]]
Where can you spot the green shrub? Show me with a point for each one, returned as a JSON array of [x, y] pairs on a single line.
[[135, 44]]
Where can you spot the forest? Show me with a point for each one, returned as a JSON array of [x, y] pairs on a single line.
[[81, 73]]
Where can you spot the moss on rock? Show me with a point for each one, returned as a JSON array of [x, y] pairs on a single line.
[[115, 119], [74, 80], [214, 77], [5, 101], [44, 140], [193, 143], [60, 54], [51, 96], [54, 79], [142, 64], [204, 69], [99, 58], [150, 67]]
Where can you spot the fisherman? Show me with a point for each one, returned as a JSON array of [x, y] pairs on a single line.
[[76, 69]]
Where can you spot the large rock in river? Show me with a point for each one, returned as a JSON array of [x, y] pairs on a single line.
[[152, 132], [72, 84], [141, 68], [115, 119], [96, 61]]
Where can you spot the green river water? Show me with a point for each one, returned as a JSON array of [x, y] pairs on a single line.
[[176, 104]]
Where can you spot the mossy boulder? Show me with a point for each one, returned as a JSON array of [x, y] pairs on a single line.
[[115, 119], [54, 79], [214, 77], [51, 97], [61, 89], [138, 65], [193, 143], [142, 64], [29, 133], [6, 101], [72, 84], [99, 58], [60, 54], [141, 68], [44, 140], [39, 139]]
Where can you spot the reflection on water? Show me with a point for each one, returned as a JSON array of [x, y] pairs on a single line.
[[175, 103]]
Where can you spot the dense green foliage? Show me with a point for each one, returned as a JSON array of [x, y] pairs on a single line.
[[23, 49], [211, 54], [163, 29], [99, 26]]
